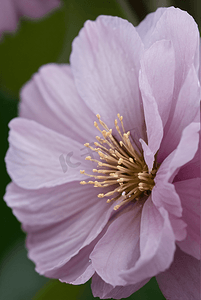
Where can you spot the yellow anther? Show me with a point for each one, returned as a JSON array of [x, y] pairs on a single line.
[[116, 207], [120, 180], [114, 175], [101, 195], [120, 161], [120, 117], [97, 184], [123, 168]]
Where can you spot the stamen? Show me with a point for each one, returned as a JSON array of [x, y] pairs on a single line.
[[124, 168]]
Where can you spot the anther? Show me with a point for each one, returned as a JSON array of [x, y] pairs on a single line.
[[101, 195], [123, 167]]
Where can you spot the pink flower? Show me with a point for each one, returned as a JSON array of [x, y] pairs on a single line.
[[151, 76], [12, 10]]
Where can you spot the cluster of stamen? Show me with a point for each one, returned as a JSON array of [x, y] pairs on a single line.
[[120, 166]]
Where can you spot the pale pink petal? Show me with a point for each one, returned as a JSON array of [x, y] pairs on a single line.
[[157, 245], [84, 277], [105, 61], [34, 157], [147, 26], [199, 72], [78, 218], [156, 84], [153, 121], [8, 17], [47, 206], [148, 154], [191, 169], [78, 269], [182, 279], [187, 110], [104, 290], [52, 91], [179, 227], [157, 71], [12, 10], [164, 195], [119, 244], [183, 154], [180, 28], [53, 246], [189, 193], [35, 8]]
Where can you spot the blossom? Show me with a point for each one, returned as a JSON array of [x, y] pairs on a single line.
[[12, 10], [130, 210]]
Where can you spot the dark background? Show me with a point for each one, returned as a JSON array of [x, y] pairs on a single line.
[[21, 54]]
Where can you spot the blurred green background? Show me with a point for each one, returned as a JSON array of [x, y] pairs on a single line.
[[21, 54]]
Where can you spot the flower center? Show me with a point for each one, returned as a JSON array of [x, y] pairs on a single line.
[[120, 166]]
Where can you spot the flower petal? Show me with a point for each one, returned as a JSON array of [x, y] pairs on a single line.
[[180, 28], [182, 279], [53, 205], [179, 227], [120, 243], [148, 154], [157, 245], [53, 240], [189, 193], [34, 159], [41, 208], [164, 195], [147, 26], [52, 91], [105, 61], [104, 290], [8, 17], [191, 169], [199, 72], [183, 154], [36, 8], [78, 269], [157, 79], [156, 84], [187, 110]]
